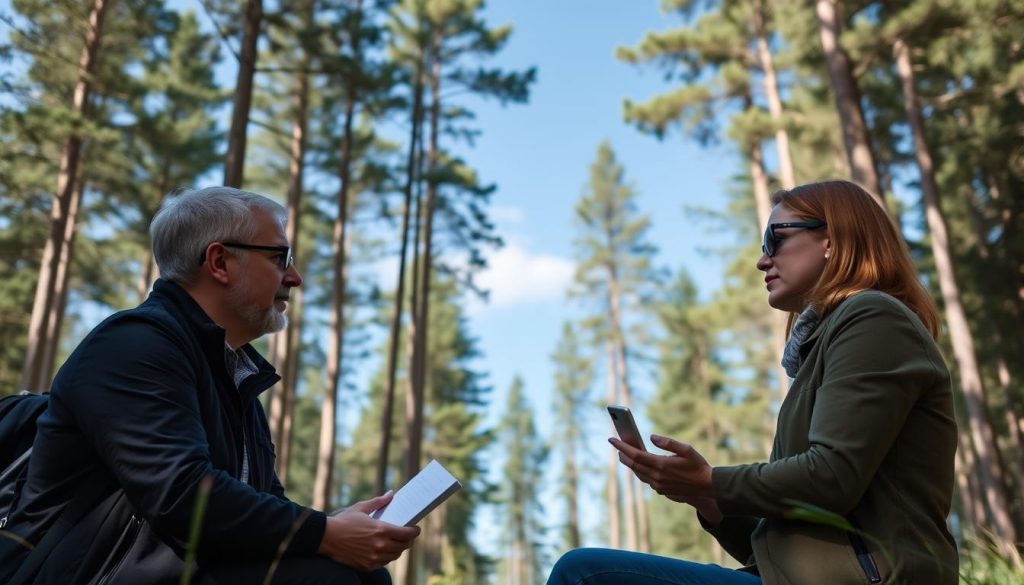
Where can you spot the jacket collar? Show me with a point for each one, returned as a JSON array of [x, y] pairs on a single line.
[[211, 337]]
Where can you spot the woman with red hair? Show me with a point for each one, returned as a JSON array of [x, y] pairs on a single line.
[[860, 478]]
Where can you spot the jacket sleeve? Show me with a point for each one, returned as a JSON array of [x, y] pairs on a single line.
[[733, 533], [133, 392], [877, 362]]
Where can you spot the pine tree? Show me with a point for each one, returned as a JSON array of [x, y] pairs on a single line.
[[525, 455], [615, 274], [574, 377]]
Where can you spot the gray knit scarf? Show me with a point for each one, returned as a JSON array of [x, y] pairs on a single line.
[[805, 324]]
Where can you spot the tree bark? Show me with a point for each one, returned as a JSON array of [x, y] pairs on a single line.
[[421, 300], [989, 459], [614, 529], [33, 375], [234, 160], [571, 498], [285, 343], [762, 202], [787, 176], [396, 313], [341, 243], [859, 155], [56, 321]]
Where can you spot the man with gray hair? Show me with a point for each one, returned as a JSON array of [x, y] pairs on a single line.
[[156, 413]]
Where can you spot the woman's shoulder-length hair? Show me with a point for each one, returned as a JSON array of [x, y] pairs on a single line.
[[866, 248]]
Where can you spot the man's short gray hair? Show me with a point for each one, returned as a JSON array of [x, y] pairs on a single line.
[[189, 222]]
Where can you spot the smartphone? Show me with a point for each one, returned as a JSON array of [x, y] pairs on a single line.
[[625, 426]]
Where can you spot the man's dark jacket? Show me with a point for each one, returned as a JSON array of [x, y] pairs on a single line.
[[146, 406]]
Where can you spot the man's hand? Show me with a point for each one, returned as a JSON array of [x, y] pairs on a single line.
[[354, 539], [684, 476]]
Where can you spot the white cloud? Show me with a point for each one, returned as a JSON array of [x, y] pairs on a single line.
[[514, 276], [507, 215]]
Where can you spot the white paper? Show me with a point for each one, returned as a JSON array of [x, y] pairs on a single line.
[[424, 492]]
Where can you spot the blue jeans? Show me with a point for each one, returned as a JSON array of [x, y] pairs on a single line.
[[600, 566]]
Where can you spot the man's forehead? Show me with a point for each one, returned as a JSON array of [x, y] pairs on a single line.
[[270, 226]]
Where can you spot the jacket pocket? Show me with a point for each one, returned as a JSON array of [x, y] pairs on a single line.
[[120, 551], [864, 558]]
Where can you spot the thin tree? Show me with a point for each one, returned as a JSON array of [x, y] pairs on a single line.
[[986, 448], [339, 244], [616, 273], [525, 455], [573, 379], [285, 344], [234, 160], [414, 54], [845, 91], [56, 252]]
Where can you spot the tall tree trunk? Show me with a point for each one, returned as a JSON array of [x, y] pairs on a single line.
[[234, 160], [284, 343], [636, 506], [612, 493], [290, 379], [859, 155], [421, 300], [56, 322], [148, 263], [571, 497], [762, 202], [328, 419], [989, 459], [972, 500], [33, 375], [771, 90], [396, 313]]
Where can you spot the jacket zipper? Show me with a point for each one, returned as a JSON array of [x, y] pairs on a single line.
[[122, 549], [867, 562]]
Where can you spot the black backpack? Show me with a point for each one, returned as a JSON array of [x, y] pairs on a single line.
[[18, 416]]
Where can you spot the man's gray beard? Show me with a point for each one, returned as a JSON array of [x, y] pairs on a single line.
[[269, 321], [264, 321]]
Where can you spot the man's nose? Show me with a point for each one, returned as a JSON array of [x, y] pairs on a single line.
[[292, 278]]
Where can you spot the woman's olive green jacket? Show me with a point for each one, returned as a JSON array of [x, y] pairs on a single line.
[[867, 433]]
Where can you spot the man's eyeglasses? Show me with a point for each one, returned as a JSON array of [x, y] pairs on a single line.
[[283, 257], [770, 243]]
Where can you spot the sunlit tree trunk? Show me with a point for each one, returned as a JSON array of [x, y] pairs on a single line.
[[234, 160], [859, 155], [63, 280], [635, 505], [762, 203], [421, 300], [771, 90], [612, 492], [290, 379], [989, 459], [34, 375], [396, 313], [284, 344], [571, 496], [148, 263]]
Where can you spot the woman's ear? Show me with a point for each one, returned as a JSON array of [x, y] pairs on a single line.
[[828, 247]]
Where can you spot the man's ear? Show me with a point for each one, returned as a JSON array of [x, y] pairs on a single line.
[[216, 264]]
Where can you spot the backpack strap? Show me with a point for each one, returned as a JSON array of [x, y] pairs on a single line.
[[83, 501]]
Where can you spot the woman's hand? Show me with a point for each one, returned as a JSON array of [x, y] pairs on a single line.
[[684, 476]]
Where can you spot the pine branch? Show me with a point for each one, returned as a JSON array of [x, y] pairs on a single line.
[[220, 31]]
